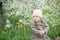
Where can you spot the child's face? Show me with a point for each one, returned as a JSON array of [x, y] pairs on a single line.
[[36, 18]]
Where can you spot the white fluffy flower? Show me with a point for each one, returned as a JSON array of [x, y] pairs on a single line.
[[7, 25], [20, 20], [17, 13], [7, 21]]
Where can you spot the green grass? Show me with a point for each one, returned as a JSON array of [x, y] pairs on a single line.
[[15, 34]]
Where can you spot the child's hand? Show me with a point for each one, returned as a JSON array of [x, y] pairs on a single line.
[[42, 33]]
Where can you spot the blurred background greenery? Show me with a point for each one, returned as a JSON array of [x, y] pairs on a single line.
[[17, 15]]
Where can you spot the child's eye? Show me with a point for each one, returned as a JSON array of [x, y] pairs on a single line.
[[35, 16]]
